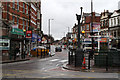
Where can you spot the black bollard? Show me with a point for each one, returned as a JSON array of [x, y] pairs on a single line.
[[106, 62]]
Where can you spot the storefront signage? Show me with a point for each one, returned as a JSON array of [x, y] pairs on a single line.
[[14, 26], [34, 37], [4, 44], [28, 34], [103, 40], [39, 38], [17, 31], [96, 27]]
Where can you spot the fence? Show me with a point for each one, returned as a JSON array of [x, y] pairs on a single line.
[[107, 59]]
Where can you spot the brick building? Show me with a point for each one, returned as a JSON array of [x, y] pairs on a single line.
[[86, 26], [17, 18]]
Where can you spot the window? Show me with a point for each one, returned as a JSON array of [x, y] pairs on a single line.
[[111, 22], [26, 25], [23, 24], [114, 21], [17, 20], [118, 20], [17, 4], [27, 10], [23, 7], [104, 23], [114, 33], [87, 27], [13, 18], [13, 3]]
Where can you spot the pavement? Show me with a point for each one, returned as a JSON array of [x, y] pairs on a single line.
[[19, 60], [92, 69]]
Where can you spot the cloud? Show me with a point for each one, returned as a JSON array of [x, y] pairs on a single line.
[[63, 12]]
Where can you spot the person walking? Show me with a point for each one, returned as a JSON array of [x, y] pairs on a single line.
[[15, 52]]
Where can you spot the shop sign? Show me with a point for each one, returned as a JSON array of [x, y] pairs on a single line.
[[103, 40], [17, 31], [96, 27], [28, 34], [14, 26], [4, 44], [39, 38], [34, 37]]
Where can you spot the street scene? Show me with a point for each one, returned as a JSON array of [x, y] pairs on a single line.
[[58, 39]]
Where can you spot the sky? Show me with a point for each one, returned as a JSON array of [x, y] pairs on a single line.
[[64, 13]]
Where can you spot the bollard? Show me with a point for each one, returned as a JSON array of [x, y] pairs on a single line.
[[72, 57], [69, 58], [89, 61], [106, 62]]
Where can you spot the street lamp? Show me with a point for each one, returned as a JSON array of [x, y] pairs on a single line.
[[49, 41], [23, 56], [79, 52]]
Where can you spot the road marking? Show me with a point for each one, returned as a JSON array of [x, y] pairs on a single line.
[[54, 60], [63, 61]]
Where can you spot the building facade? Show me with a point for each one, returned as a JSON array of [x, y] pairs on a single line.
[[17, 18], [114, 26]]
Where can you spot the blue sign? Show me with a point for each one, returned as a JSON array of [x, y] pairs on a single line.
[[34, 37], [39, 38]]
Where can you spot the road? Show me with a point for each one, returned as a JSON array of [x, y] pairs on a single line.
[[50, 67]]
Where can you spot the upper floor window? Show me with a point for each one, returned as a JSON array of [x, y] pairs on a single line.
[[13, 3], [23, 24], [118, 20], [18, 4], [111, 22], [27, 10], [26, 25], [13, 19], [87, 27], [107, 23], [17, 20], [23, 7], [104, 23], [114, 21]]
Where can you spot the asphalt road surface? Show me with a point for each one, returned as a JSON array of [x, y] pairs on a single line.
[[50, 67]]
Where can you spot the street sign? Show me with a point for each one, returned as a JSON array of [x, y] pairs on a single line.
[[28, 34], [17, 31]]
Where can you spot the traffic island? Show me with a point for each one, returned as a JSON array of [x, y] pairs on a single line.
[[72, 67], [93, 69]]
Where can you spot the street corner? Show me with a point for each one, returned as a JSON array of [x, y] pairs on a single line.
[[73, 68]]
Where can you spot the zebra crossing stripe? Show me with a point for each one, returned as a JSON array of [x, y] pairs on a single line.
[[54, 60]]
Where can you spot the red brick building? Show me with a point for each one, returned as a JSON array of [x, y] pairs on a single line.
[[86, 26], [18, 17]]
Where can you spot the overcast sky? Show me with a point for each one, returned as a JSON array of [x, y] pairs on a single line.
[[64, 13]]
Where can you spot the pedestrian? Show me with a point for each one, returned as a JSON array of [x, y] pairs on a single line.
[[15, 52]]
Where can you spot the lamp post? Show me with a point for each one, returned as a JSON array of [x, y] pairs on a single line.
[[24, 43], [49, 41], [79, 52]]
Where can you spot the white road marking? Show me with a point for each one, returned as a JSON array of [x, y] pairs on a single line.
[[54, 60], [63, 61]]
